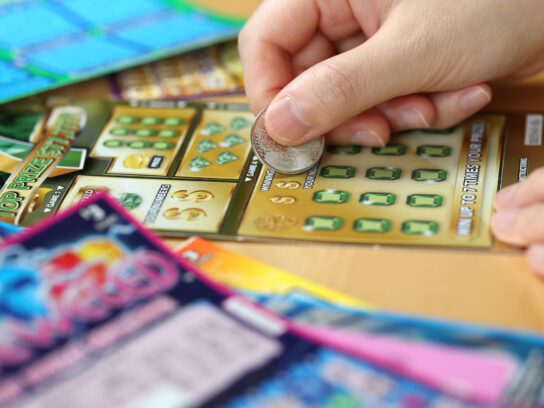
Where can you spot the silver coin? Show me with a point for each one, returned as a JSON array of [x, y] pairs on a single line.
[[284, 159]]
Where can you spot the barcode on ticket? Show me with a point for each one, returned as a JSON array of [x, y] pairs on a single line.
[[533, 129]]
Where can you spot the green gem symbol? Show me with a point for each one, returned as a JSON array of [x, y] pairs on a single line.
[[323, 223], [225, 157], [143, 132], [239, 123], [424, 200], [390, 150], [377, 199], [149, 120], [198, 163], [433, 151], [161, 145], [429, 175], [232, 140], [426, 228], [447, 131], [371, 225], [113, 143], [344, 149], [167, 133], [330, 197], [337, 172], [119, 131], [125, 119], [205, 146], [212, 128], [383, 173], [172, 121], [129, 200], [137, 144]]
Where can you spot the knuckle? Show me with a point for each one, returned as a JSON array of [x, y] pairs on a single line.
[[340, 89]]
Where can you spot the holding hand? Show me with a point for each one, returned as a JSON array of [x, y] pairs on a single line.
[[360, 69], [519, 219]]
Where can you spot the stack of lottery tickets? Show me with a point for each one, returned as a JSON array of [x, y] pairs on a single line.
[[97, 312]]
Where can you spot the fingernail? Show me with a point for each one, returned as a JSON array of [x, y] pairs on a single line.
[[413, 119], [502, 221], [284, 122], [367, 138], [475, 99], [504, 197], [535, 258]]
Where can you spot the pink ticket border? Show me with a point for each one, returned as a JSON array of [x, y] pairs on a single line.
[[304, 332]]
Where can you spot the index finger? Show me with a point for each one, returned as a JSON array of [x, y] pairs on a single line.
[[522, 194], [275, 32]]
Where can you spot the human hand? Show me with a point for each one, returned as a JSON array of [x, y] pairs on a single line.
[[519, 219], [360, 69]]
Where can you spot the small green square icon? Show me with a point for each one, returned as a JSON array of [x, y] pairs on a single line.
[[172, 121], [167, 133], [198, 163], [137, 144], [419, 227], [447, 131], [212, 128], [429, 175], [239, 123], [337, 172], [323, 223], [433, 151], [371, 225], [205, 146], [125, 119], [232, 140], [149, 120], [330, 197], [225, 157], [143, 132], [162, 145], [113, 143], [390, 150], [129, 200], [383, 173], [119, 131], [377, 199], [344, 149], [425, 200]]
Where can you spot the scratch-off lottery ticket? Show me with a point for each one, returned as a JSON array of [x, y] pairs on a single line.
[[498, 367], [94, 311], [188, 169]]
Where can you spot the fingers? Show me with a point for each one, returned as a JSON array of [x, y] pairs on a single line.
[[416, 111], [369, 128], [529, 191], [279, 30], [335, 90], [520, 226], [318, 49], [455, 106], [409, 112], [519, 219], [523, 227], [535, 258]]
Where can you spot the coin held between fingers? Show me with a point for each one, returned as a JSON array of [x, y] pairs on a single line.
[[284, 159]]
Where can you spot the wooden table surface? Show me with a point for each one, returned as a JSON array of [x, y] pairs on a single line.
[[477, 286]]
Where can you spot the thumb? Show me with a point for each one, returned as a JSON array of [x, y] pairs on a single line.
[[334, 90]]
